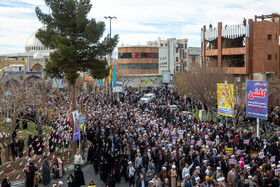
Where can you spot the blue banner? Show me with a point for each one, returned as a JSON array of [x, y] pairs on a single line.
[[256, 96], [82, 119], [76, 130]]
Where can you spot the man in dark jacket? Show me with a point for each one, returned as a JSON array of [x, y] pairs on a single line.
[[46, 172], [20, 146]]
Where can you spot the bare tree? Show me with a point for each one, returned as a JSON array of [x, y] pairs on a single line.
[[15, 101]]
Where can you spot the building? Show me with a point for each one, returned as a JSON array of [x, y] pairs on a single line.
[[176, 53], [31, 63], [139, 64], [249, 50], [193, 58]]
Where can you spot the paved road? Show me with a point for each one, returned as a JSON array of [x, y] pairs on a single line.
[[89, 174]]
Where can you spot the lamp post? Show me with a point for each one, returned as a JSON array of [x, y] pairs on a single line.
[[111, 87]]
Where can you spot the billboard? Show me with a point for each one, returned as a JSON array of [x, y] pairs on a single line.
[[165, 77], [225, 99], [256, 99], [57, 83]]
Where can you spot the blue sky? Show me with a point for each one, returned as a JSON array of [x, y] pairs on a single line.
[[137, 21]]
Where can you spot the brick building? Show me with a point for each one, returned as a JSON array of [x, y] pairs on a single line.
[[249, 50]]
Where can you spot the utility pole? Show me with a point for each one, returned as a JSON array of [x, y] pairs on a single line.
[[111, 63]]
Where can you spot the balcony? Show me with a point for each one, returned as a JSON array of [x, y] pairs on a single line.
[[235, 70], [211, 52]]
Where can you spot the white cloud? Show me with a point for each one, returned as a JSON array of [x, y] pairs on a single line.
[[137, 21]]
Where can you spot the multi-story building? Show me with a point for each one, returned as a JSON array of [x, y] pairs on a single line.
[[176, 53], [193, 58], [139, 64], [249, 50]]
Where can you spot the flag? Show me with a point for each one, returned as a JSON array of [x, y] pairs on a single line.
[[40, 160], [24, 151], [100, 82], [27, 157], [14, 171], [30, 146], [53, 157], [35, 156], [17, 158], [9, 165], [20, 164], [18, 177], [8, 178], [114, 77], [2, 172], [48, 154]]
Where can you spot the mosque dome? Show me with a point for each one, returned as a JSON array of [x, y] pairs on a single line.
[[34, 44]]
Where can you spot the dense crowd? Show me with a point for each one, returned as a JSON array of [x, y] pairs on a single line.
[[153, 145]]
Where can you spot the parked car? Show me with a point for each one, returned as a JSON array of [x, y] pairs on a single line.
[[147, 98]]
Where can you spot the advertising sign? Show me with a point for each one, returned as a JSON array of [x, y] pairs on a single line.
[[57, 83], [165, 77], [256, 95], [225, 99]]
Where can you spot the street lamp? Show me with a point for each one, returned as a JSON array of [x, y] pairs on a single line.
[[110, 18]]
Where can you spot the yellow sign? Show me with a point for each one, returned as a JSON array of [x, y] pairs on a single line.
[[225, 99], [229, 150]]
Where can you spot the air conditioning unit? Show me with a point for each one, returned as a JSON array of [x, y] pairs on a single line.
[[237, 79]]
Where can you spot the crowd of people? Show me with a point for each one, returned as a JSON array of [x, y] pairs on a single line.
[[149, 144], [153, 145]]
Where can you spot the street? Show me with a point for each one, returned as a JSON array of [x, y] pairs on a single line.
[[89, 174]]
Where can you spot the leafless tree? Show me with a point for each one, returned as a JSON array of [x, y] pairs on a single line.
[[15, 101], [201, 84]]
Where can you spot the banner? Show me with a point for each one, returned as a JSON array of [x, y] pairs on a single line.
[[82, 119], [57, 83], [256, 96], [118, 87], [225, 99], [165, 77], [76, 134]]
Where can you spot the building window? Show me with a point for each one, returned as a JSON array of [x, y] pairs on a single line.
[[176, 50], [269, 37], [137, 55], [138, 66], [190, 66], [177, 59], [269, 57]]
